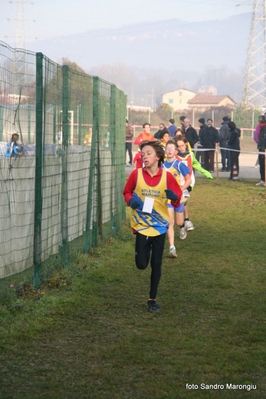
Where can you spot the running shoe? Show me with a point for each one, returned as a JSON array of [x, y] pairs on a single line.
[[182, 233], [189, 225], [153, 306], [172, 252]]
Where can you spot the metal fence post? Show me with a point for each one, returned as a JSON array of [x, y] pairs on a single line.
[[113, 158], [80, 122], [29, 122], [64, 195], [37, 254], [91, 192]]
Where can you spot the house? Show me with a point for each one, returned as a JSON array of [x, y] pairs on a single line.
[[178, 99], [203, 101]]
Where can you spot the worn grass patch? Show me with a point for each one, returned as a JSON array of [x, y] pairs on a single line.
[[89, 335]]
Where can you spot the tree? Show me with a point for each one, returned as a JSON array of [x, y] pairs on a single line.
[[164, 111]]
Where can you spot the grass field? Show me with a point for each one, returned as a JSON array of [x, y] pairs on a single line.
[[88, 334]]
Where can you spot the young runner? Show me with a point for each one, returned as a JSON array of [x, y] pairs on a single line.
[[176, 214], [147, 192], [189, 159]]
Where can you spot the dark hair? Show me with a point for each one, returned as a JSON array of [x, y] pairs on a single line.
[[231, 125], [13, 135], [182, 118], [183, 138], [172, 121], [157, 148], [178, 130], [262, 119], [146, 123], [209, 120], [163, 132]]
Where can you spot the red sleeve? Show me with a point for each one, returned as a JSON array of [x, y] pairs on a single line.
[[174, 186], [130, 186], [138, 140]]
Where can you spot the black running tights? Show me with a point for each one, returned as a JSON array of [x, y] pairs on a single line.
[[147, 247]]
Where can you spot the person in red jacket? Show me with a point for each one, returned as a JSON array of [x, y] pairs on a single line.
[[138, 160], [145, 135], [147, 192]]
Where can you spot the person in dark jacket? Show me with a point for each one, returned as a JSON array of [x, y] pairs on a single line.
[[208, 140], [233, 145], [181, 120], [261, 148], [190, 133], [171, 127], [162, 128], [223, 136], [200, 155], [129, 137]]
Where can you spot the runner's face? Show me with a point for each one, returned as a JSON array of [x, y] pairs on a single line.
[[165, 138], [170, 151], [149, 156], [147, 128], [181, 146]]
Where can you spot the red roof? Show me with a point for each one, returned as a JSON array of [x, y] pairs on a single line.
[[207, 98]]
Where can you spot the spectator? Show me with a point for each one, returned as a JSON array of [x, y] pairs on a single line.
[[223, 138], [256, 135], [234, 145], [190, 133], [129, 136], [171, 127], [145, 135], [200, 154], [181, 119], [14, 147], [261, 148], [161, 128], [208, 140]]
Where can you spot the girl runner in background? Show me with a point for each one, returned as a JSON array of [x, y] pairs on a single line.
[[189, 159], [182, 175]]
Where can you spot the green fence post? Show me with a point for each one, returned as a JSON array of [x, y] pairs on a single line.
[[37, 250], [113, 158], [29, 122], [54, 124], [64, 195], [94, 147], [80, 121]]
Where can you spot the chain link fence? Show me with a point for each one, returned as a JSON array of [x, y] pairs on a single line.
[[61, 193]]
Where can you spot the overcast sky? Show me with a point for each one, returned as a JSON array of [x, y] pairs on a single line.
[[52, 18]]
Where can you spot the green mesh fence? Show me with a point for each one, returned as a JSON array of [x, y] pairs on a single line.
[[63, 195]]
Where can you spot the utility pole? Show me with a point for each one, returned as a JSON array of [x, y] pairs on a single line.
[[20, 22], [255, 76]]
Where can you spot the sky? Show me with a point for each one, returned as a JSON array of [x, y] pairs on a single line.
[[44, 19]]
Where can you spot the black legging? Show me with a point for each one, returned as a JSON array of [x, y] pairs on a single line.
[[234, 159], [144, 246], [262, 166]]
